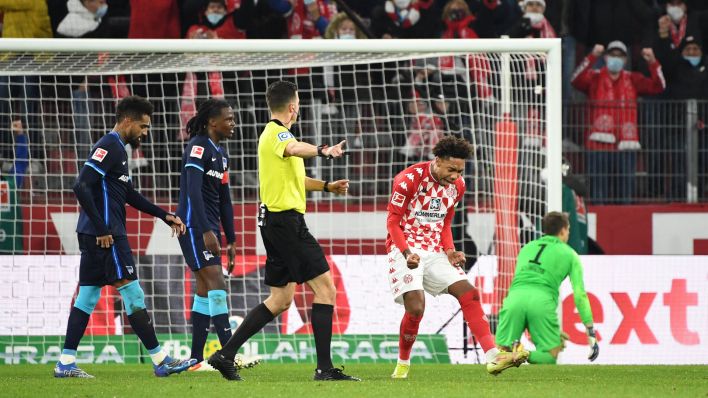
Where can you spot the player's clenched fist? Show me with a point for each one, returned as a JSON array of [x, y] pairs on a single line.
[[412, 259], [456, 258]]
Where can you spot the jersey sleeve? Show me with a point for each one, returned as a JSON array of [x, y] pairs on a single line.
[[278, 142], [104, 157], [194, 167], [197, 156], [402, 194], [579, 295], [226, 210], [446, 235]]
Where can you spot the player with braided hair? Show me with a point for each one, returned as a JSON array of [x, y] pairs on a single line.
[[204, 204]]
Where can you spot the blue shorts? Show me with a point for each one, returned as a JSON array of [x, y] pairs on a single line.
[[100, 267], [195, 252]]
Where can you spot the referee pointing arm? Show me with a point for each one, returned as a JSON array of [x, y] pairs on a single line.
[[294, 256]]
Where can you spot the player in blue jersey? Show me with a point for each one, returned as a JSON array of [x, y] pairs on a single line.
[[103, 188], [204, 205]]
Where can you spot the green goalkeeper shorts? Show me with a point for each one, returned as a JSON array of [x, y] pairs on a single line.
[[527, 308]]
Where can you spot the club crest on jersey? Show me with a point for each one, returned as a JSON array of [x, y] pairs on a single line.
[[285, 135], [99, 155], [408, 278], [397, 199], [451, 191], [435, 204], [207, 254], [224, 162], [197, 152]]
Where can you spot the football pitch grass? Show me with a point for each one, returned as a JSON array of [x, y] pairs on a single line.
[[295, 381]]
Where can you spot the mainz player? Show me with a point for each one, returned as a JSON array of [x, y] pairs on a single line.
[[422, 256]]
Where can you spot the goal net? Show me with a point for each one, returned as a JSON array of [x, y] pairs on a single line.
[[391, 100]]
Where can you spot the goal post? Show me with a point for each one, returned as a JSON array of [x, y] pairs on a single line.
[[391, 99]]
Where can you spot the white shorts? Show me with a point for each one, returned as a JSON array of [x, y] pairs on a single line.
[[434, 274]]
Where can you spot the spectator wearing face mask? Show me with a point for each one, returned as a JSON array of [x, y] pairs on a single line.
[[678, 23], [85, 19], [686, 78], [460, 23], [533, 23], [612, 138], [405, 19], [216, 23]]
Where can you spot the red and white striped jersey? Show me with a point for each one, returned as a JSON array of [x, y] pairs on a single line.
[[425, 208]]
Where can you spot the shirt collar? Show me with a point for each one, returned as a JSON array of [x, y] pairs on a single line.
[[115, 133], [214, 145], [278, 122]]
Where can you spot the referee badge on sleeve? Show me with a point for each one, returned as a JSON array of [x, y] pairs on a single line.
[[285, 135]]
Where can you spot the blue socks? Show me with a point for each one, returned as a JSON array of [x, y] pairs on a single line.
[[200, 326], [220, 314]]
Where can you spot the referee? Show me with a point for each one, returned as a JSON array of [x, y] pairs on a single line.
[[294, 256]]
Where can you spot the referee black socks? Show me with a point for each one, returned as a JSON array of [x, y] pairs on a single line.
[[322, 329], [254, 321]]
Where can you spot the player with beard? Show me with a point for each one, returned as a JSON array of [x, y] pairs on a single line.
[[103, 188], [422, 256]]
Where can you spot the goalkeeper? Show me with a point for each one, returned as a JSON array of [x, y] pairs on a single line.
[[533, 297]]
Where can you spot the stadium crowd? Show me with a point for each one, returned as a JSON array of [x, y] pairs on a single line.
[[629, 67]]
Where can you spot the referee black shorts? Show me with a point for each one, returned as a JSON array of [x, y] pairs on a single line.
[[293, 253], [100, 267]]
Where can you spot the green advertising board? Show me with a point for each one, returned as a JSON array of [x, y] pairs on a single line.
[[270, 347]]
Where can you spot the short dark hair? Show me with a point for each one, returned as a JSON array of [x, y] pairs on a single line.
[[453, 147], [554, 222], [133, 107], [279, 94]]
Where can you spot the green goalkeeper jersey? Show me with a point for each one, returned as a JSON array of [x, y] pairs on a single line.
[[544, 263]]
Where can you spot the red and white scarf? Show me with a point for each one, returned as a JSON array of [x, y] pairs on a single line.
[[403, 18], [677, 34], [614, 115]]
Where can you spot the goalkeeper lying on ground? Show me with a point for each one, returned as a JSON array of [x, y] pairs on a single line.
[[533, 297]]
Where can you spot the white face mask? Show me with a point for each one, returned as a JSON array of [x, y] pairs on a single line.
[[675, 13], [401, 4], [347, 36], [534, 17]]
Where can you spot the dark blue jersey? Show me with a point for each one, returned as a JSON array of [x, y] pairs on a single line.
[[204, 198], [110, 160], [104, 187]]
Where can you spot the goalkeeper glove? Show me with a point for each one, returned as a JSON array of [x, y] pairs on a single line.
[[592, 342]]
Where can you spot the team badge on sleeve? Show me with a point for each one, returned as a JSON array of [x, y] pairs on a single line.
[[285, 135], [197, 152], [99, 155], [398, 199], [225, 163]]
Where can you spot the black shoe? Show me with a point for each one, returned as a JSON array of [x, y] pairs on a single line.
[[225, 366], [334, 374]]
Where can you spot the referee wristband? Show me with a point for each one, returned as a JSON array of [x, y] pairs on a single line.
[[324, 188], [320, 148]]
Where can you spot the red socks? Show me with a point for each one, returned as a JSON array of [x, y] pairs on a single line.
[[408, 333], [476, 320]]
